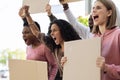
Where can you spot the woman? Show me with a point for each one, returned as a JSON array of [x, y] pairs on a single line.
[[82, 30], [110, 35], [36, 49], [105, 27], [59, 32]]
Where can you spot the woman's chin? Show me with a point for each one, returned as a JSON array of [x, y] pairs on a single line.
[[56, 43]]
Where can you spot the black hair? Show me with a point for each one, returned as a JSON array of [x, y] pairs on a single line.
[[25, 23], [66, 29], [91, 23], [50, 43]]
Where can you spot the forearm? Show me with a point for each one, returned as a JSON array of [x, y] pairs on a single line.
[[52, 17], [52, 63], [112, 70], [53, 72], [32, 25], [81, 29]]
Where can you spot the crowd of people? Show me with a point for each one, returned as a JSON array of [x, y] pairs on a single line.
[[50, 47]]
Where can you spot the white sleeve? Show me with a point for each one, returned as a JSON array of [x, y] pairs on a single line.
[[83, 31]]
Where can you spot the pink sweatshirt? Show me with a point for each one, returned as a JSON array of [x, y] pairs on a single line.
[[110, 46], [111, 51], [42, 53]]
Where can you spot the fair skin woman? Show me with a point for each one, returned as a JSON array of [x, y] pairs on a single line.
[[100, 19], [104, 16], [60, 31], [55, 34]]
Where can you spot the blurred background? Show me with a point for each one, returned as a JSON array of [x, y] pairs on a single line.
[[12, 45]]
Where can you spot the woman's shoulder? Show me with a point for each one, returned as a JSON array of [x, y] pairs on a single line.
[[117, 29]]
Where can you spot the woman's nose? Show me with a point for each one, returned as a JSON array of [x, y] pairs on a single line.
[[24, 35], [51, 33], [93, 10]]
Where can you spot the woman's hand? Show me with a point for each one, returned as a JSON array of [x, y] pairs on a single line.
[[63, 61], [23, 12], [100, 62], [48, 9], [64, 4], [63, 1]]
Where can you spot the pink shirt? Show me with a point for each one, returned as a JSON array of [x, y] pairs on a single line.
[[111, 52], [110, 46], [42, 53]]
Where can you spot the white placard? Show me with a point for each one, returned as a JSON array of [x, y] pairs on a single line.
[[27, 70], [36, 6], [72, 0], [81, 59]]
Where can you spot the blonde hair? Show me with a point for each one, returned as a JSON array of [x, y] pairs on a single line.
[[109, 4]]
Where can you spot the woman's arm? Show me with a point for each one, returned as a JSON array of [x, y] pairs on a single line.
[[82, 30], [50, 15], [52, 63], [111, 70], [24, 14]]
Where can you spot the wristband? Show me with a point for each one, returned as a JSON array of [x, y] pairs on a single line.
[[65, 6], [25, 20]]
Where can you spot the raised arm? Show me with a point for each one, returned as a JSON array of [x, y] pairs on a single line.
[[50, 15], [82, 30], [25, 15]]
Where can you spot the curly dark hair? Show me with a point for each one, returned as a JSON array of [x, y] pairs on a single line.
[[66, 29], [50, 43]]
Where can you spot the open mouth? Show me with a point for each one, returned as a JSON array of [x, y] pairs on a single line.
[[95, 17], [54, 39], [25, 40]]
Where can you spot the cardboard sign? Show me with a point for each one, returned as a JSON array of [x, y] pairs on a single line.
[[72, 0], [81, 59], [28, 70], [36, 6]]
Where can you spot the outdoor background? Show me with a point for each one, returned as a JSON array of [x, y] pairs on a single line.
[[12, 45]]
